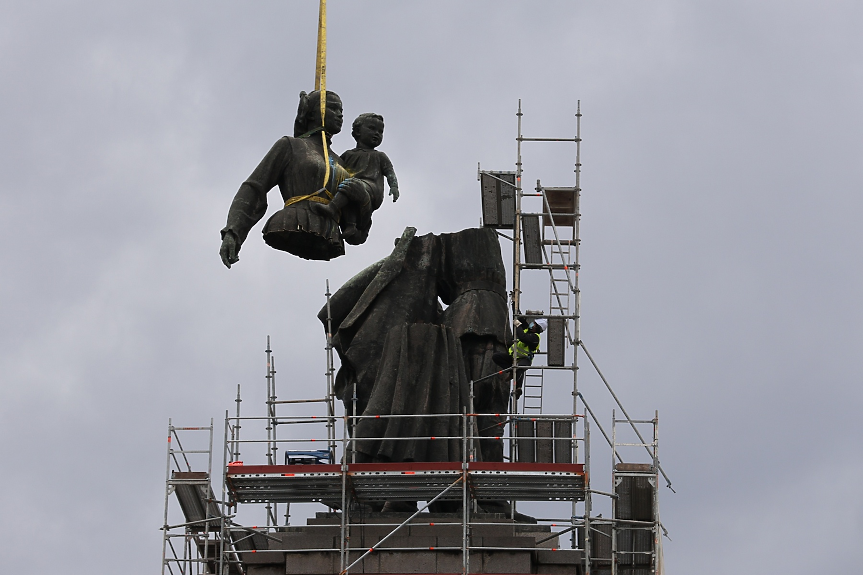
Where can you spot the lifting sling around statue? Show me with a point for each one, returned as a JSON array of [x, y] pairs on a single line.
[[297, 165]]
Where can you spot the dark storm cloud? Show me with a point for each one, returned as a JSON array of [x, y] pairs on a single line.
[[722, 181]]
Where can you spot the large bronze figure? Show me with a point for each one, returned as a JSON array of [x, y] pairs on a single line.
[[380, 316], [403, 354], [297, 165]]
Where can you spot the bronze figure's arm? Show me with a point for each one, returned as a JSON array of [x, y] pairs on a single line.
[[250, 203], [390, 174]]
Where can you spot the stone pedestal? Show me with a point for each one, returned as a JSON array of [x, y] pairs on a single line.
[[431, 543]]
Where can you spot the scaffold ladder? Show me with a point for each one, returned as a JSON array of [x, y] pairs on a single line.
[[532, 392]]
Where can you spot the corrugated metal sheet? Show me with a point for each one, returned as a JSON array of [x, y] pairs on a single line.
[[527, 446], [556, 340], [498, 199], [563, 441], [635, 502], [635, 498], [600, 541], [562, 203], [532, 239], [544, 441]]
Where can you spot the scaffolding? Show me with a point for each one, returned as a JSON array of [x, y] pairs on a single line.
[[548, 455], [549, 240], [195, 545]]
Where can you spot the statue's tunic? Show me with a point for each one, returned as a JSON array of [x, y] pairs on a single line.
[[297, 166]]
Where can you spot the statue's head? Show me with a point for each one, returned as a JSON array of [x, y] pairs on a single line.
[[368, 130], [309, 113]]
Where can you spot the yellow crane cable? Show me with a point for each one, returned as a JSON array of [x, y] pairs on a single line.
[[321, 87], [321, 58], [321, 82]]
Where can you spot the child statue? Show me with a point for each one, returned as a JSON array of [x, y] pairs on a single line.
[[352, 205]]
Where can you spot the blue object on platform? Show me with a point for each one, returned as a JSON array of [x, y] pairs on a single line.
[[315, 457]]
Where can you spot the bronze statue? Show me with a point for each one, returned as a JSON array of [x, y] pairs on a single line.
[[402, 354], [353, 205], [297, 165], [369, 317]]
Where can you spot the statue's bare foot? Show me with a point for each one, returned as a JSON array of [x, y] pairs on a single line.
[[327, 211], [358, 238], [349, 231]]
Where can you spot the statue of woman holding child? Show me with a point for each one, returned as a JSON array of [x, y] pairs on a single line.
[[308, 225]]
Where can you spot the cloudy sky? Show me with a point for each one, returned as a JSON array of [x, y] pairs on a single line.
[[722, 189]]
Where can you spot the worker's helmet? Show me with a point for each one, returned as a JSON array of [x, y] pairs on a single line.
[[542, 323]]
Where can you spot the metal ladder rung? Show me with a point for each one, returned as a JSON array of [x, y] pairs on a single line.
[[532, 392]]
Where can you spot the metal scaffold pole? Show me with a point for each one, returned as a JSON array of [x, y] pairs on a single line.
[[516, 289], [331, 408], [167, 495], [272, 508], [575, 288], [588, 501], [657, 543], [235, 452]]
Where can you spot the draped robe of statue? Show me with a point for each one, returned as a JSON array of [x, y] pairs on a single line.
[[473, 285], [400, 289], [404, 355]]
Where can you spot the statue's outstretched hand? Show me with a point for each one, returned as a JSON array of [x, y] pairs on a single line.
[[394, 192], [230, 249]]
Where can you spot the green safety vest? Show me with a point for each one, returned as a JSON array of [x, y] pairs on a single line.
[[520, 349]]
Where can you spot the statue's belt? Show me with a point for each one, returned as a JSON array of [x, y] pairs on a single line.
[[482, 285], [311, 197], [316, 198]]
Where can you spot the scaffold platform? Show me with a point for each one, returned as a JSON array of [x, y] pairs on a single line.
[[405, 481]]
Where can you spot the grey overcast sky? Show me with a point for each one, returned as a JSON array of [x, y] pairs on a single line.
[[722, 192]]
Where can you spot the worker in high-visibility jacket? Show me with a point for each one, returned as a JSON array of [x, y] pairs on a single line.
[[526, 345]]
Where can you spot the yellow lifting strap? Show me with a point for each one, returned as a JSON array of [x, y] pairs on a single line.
[[312, 198], [321, 84]]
